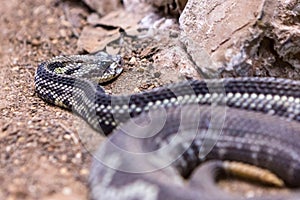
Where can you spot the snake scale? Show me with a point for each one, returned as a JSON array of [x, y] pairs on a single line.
[[169, 131]]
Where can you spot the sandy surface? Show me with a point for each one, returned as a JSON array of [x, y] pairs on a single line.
[[40, 156]]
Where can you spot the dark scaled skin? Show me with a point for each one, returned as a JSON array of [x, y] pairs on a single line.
[[254, 120]]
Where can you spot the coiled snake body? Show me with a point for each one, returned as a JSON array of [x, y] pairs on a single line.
[[252, 120]]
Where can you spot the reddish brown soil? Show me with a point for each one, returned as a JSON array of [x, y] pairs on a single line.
[[40, 155]]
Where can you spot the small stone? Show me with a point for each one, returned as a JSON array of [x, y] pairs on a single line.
[[50, 20], [84, 172], [19, 123], [141, 69], [67, 191], [8, 149], [78, 155], [63, 33], [43, 140], [54, 41], [136, 90], [67, 137], [144, 60], [50, 149], [64, 157], [16, 162], [157, 74], [43, 159], [35, 42], [63, 171], [36, 119], [132, 61], [5, 127], [66, 23], [21, 139]]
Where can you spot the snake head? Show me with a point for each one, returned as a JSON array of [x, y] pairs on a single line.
[[98, 68], [110, 66]]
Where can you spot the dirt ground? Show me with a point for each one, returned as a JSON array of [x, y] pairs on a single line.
[[41, 156]]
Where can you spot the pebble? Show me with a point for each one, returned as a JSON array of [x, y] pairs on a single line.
[[144, 60], [141, 69], [16, 162], [84, 171], [157, 74], [63, 33], [64, 171], [64, 157], [5, 127], [67, 137], [50, 20], [8, 149], [66, 23], [132, 61], [43, 140], [78, 155], [67, 191], [21, 139], [54, 41], [35, 42]]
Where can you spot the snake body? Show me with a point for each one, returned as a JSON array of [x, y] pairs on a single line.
[[259, 124]]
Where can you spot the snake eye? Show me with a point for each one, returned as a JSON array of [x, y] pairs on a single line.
[[120, 62]]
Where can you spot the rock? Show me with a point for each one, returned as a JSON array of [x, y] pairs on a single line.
[[172, 7], [93, 39], [243, 38], [104, 6]]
